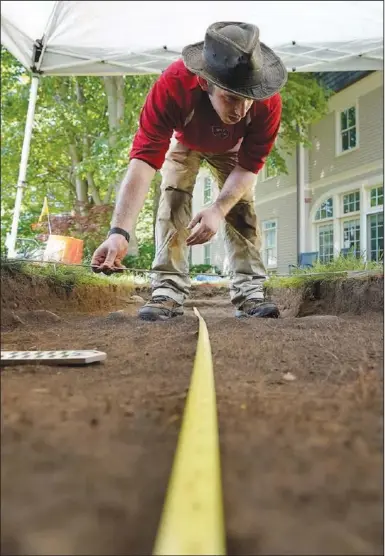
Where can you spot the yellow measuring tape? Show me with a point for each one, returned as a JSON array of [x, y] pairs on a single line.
[[192, 521]]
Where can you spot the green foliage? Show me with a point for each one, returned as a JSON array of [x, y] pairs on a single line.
[[3, 249], [144, 259], [299, 280], [72, 118], [204, 268], [342, 263], [304, 102], [146, 221], [63, 276], [336, 269]]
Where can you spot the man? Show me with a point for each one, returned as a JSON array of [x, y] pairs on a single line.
[[221, 104]]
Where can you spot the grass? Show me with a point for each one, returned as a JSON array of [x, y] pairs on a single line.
[[336, 269], [71, 276], [344, 264]]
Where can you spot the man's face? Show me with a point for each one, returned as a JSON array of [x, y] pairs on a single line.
[[229, 107]]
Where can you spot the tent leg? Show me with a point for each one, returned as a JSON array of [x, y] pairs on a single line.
[[11, 242], [301, 215]]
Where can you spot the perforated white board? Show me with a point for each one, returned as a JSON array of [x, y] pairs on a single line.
[[62, 357]]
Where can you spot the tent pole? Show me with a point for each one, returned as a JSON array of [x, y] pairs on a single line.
[[11, 243], [301, 217]]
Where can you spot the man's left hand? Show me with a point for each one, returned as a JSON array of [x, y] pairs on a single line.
[[209, 220]]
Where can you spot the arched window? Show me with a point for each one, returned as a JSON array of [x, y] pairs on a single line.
[[325, 232], [325, 210], [353, 225]]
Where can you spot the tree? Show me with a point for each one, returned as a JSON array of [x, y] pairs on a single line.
[[83, 130], [304, 102]]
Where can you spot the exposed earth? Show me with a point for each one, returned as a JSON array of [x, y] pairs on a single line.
[[87, 451]]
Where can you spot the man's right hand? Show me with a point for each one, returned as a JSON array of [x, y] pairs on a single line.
[[108, 257]]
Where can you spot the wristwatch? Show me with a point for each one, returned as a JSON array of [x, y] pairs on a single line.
[[120, 231]]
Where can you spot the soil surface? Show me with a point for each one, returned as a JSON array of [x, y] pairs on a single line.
[[87, 451]]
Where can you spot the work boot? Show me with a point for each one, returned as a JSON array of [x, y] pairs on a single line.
[[160, 308], [258, 308]]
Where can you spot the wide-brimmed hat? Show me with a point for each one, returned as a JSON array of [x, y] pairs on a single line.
[[233, 58]]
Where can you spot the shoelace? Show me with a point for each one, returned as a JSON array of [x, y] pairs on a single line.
[[160, 299]]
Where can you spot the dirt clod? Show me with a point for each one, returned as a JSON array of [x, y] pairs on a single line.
[[289, 377], [137, 299], [120, 316], [40, 316], [15, 319]]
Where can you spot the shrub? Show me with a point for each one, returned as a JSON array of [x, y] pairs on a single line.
[[204, 268]]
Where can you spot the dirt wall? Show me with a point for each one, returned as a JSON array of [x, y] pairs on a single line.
[[21, 292]]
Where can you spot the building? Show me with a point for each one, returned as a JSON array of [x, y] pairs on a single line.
[[339, 180]]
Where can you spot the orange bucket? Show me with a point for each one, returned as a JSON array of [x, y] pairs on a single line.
[[63, 249]]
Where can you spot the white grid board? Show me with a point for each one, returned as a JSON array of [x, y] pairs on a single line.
[[58, 357]]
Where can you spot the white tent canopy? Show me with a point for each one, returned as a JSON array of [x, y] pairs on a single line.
[[101, 38], [131, 37]]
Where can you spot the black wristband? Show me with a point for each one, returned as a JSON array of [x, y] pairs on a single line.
[[120, 231]]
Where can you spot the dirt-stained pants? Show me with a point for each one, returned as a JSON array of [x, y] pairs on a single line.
[[243, 241]]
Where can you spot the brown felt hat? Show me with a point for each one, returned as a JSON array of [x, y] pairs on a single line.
[[233, 58]]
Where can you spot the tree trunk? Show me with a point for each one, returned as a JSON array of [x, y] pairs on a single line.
[[112, 106], [92, 189], [120, 100], [80, 184], [108, 195], [114, 186], [114, 87]]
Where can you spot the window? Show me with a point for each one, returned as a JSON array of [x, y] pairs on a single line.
[[351, 230], [338, 223], [325, 241], [377, 196], [325, 210], [348, 130], [207, 190], [269, 242], [207, 253], [351, 202], [376, 236], [271, 170]]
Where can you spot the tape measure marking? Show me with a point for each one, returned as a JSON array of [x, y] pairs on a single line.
[[192, 521]]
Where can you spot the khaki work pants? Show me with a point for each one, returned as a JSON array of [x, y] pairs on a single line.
[[242, 236]]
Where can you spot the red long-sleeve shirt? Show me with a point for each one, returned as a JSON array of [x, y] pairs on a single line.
[[176, 103]]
